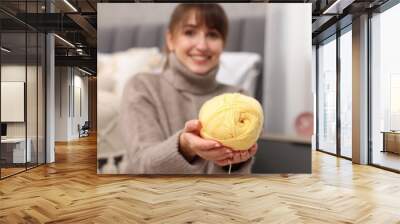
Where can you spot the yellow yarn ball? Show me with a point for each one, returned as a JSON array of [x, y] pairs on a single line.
[[233, 119]]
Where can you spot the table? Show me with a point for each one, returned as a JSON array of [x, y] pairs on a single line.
[[391, 141], [13, 150]]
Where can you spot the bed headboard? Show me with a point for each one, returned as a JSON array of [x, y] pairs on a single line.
[[244, 35]]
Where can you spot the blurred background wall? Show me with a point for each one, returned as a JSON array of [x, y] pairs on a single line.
[[155, 13]]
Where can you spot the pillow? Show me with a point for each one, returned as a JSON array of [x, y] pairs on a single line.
[[239, 69], [114, 70]]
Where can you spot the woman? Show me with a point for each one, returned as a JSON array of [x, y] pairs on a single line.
[[159, 112]]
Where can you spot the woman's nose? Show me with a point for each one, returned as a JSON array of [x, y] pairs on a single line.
[[202, 43]]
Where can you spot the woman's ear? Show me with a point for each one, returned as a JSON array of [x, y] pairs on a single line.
[[170, 43]]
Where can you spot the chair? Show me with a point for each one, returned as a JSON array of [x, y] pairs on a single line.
[[84, 130]]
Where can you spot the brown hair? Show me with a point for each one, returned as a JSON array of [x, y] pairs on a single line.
[[211, 15]]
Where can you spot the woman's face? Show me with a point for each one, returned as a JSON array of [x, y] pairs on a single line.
[[197, 47]]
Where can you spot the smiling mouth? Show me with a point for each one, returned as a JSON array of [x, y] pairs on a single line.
[[200, 59]]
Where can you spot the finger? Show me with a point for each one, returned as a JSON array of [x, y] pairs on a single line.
[[244, 155], [198, 143], [236, 158], [205, 144], [192, 126], [217, 154], [253, 150], [223, 162]]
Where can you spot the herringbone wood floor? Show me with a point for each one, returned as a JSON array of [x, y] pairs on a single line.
[[70, 191]]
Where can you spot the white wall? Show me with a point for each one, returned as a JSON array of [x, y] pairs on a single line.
[[82, 82], [153, 13], [68, 82], [17, 73], [13, 101], [33, 126], [79, 117], [14, 73], [61, 103]]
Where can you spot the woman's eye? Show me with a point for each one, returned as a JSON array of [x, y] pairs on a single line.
[[189, 32], [213, 34]]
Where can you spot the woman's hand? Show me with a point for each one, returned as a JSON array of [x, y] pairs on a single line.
[[238, 156], [191, 144]]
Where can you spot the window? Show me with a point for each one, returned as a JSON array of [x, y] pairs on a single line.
[[327, 96], [346, 93], [22, 68], [385, 88]]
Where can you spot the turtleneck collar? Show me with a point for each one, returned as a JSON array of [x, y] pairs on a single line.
[[179, 76]]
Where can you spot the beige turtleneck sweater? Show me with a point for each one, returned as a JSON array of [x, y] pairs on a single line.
[[154, 110]]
